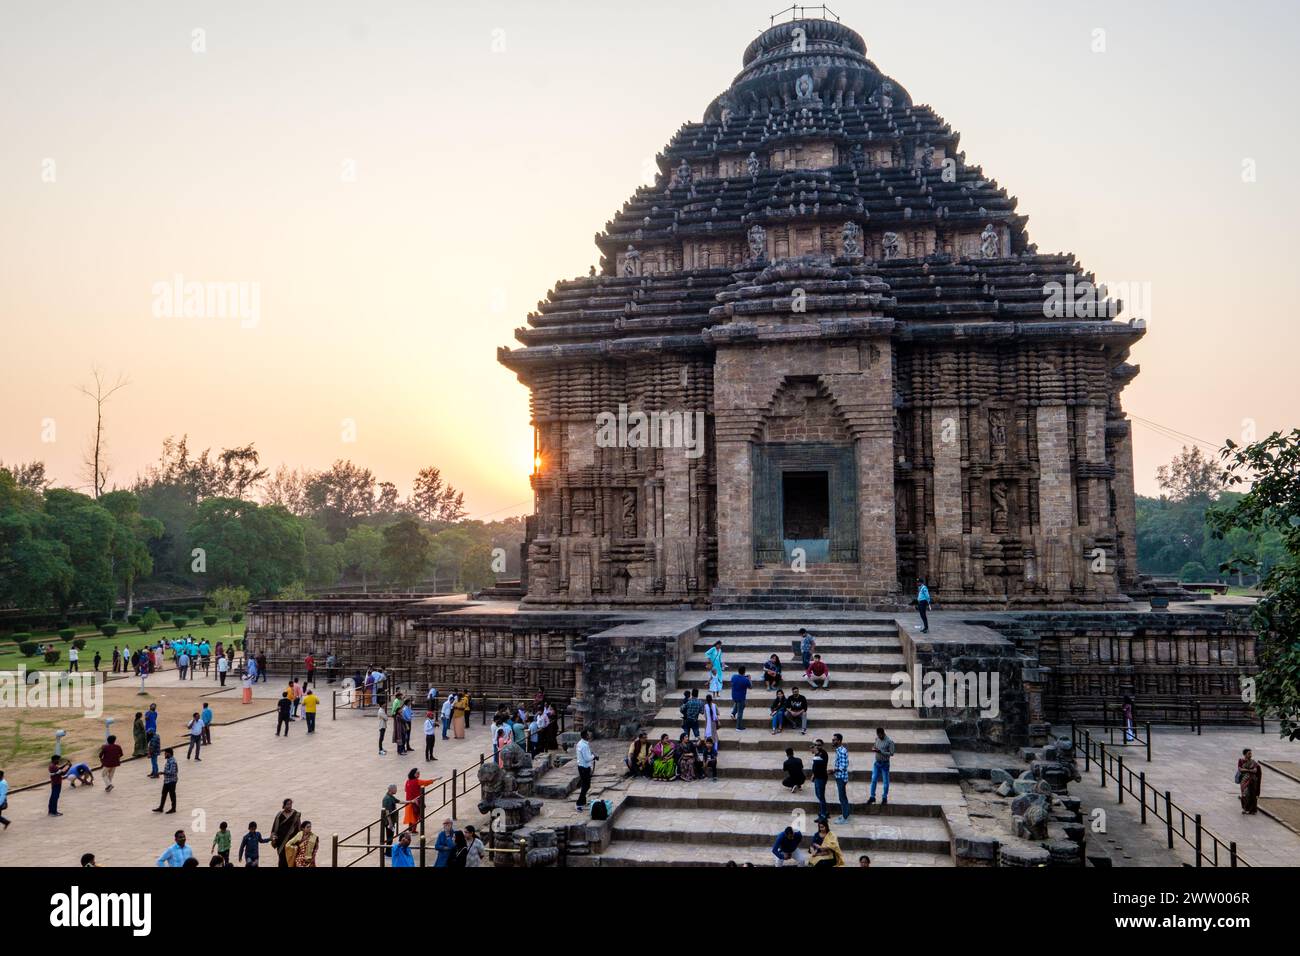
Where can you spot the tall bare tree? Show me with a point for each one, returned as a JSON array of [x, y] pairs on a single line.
[[96, 460]]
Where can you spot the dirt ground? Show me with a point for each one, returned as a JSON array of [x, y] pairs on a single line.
[[27, 734]]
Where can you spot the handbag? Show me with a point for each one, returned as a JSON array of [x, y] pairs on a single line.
[[1237, 777]]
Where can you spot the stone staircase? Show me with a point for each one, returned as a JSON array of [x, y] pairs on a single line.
[[737, 818], [820, 586]]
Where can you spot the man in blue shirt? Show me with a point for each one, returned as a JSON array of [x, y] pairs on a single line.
[[151, 719], [402, 851], [4, 799], [740, 685], [445, 843], [923, 604], [786, 848], [176, 854], [206, 716]]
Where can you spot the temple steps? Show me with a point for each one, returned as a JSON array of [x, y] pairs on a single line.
[[825, 645], [821, 722], [683, 854], [916, 800], [847, 679], [912, 768], [747, 828], [736, 818]]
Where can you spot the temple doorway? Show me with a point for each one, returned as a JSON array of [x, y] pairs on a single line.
[[806, 514]]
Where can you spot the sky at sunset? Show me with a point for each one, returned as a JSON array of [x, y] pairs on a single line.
[[400, 183]]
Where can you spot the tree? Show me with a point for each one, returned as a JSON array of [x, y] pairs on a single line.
[[324, 558], [340, 497], [96, 459], [363, 554], [229, 600], [433, 500], [29, 475], [1271, 470], [405, 552], [131, 536], [1191, 476], [288, 488], [35, 567], [260, 548], [87, 530], [239, 471]]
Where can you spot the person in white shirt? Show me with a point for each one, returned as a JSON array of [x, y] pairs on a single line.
[[447, 706], [586, 763], [383, 728], [430, 735], [475, 852], [73, 657]]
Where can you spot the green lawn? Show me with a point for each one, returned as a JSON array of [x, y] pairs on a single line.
[[10, 658]]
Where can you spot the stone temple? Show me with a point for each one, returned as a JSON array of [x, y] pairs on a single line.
[[820, 359], [843, 348]]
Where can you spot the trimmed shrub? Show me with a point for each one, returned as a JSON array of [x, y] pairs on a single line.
[[133, 619], [27, 649], [19, 636], [179, 621], [236, 617], [99, 619], [52, 657], [165, 615], [209, 619], [192, 613], [79, 643], [149, 620], [67, 634], [108, 630]]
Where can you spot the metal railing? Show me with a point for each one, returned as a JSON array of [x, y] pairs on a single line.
[[1175, 818], [459, 790]]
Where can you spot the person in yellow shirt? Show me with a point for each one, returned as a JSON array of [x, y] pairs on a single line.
[[460, 716], [310, 703], [826, 846]]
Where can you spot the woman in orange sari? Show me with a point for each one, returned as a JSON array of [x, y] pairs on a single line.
[[414, 797]]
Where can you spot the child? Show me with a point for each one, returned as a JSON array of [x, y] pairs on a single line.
[[709, 759], [221, 842], [248, 846]]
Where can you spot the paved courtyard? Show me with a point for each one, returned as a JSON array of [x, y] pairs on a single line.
[[335, 777], [1198, 772]]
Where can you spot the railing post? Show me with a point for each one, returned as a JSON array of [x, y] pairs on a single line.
[[1169, 820], [382, 854], [1148, 741], [453, 793], [1087, 751], [334, 705], [1198, 725], [1119, 778], [1232, 853], [334, 851], [1142, 787], [1198, 839], [1101, 762], [422, 846]]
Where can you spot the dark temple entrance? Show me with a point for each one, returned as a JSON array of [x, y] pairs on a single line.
[[805, 505], [805, 497]]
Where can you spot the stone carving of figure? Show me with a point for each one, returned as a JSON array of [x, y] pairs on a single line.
[[858, 157], [803, 86], [752, 165], [629, 513], [757, 243], [886, 99], [852, 239], [997, 431], [927, 157], [631, 261], [891, 245], [998, 506], [989, 242], [683, 175]]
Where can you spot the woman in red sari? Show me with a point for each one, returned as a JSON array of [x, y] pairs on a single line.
[[414, 797], [1249, 775]]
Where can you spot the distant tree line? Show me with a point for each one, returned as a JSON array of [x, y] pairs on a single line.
[[204, 521], [1176, 539]]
